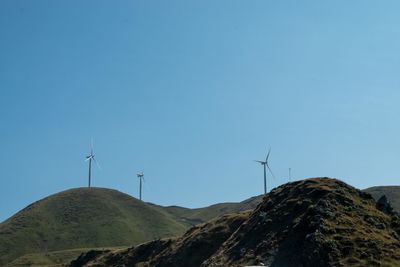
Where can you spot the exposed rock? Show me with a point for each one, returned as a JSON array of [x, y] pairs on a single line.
[[86, 257], [383, 205]]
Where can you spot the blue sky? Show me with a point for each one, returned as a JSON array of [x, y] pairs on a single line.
[[192, 92]]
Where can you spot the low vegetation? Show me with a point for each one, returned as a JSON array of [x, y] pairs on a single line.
[[53, 258]]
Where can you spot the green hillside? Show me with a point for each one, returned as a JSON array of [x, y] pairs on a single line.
[[84, 218], [200, 215], [392, 193], [53, 258]]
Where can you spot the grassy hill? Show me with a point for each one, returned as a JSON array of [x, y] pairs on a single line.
[[84, 218], [392, 193]]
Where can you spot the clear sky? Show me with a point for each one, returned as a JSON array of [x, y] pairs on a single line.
[[192, 92]]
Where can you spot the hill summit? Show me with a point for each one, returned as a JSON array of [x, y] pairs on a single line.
[[84, 218], [313, 222]]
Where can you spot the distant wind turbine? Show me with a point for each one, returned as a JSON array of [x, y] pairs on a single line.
[[265, 164], [90, 158], [140, 175]]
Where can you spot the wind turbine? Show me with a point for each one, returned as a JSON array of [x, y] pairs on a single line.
[[90, 158], [265, 165], [140, 175]]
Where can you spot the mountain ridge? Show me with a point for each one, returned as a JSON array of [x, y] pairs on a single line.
[[179, 220], [312, 222], [95, 217]]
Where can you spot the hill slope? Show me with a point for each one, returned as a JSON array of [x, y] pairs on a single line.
[[391, 192], [84, 217], [50, 259], [201, 215], [314, 222]]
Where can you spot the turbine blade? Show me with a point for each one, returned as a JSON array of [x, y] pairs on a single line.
[[259, 161], [269, 151], [97, 164], [270, 171], [91, 146]]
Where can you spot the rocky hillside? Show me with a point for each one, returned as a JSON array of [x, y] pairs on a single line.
[[314, 222]]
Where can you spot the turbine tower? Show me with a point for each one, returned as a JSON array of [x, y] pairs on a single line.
[[140, 175], [265, 165], [90, 158]]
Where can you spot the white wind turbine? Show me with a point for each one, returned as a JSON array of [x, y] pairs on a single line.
[[266, 165], [91, 158]]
